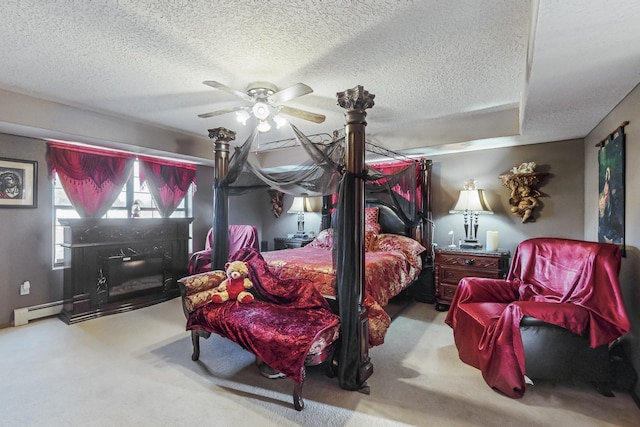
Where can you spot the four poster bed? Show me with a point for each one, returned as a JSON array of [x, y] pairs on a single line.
[[291, 324], [393, 261]]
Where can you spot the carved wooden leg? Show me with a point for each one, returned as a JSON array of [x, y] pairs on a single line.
[[195, 339], [298, 403]]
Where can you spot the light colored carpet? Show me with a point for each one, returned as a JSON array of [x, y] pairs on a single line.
[[135, 369]]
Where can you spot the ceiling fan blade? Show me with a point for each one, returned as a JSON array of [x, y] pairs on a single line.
[[232, 91], [301, 114], [220, 112], [291, 92]]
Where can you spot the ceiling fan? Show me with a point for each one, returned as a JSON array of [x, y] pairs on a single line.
[[262, 99]]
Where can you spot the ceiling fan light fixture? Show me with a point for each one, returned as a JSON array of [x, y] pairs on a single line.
[[263, 126], [242, 116], [280, 121], [261, 110]]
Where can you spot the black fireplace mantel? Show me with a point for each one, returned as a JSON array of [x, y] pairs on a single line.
[[89, 245]]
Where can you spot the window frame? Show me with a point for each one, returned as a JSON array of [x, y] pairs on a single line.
[[61, 203]]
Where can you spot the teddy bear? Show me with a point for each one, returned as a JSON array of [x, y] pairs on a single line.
[[236, 284]]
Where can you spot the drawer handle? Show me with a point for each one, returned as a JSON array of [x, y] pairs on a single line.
[[468, 261]]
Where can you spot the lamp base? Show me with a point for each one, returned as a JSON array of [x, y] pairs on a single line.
[[470, 244]]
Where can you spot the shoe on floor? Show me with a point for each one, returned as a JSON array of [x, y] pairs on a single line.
[[269, 372]]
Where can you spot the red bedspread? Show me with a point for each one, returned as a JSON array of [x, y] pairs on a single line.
[[279, 326], [387, 273], [569, 283]]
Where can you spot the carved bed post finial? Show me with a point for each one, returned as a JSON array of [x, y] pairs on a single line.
[[220, 223], [355, 366]]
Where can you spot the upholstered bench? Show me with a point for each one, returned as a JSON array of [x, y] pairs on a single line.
[[285, 337]]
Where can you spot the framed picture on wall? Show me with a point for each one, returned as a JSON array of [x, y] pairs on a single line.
[[18, 183], [611, 196]]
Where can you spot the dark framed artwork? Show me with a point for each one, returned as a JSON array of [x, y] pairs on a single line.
[[18, 183], [611, 198]]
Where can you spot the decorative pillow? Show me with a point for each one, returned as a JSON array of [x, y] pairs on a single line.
[[397, 243], [371, 220], [372, 227], [200, 288], [203, 281], [371, 215], [370, 241], [323, 240]]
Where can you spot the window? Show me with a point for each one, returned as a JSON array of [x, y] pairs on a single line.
[[121, 208]]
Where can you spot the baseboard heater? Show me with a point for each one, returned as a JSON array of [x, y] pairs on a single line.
[[22, 316]]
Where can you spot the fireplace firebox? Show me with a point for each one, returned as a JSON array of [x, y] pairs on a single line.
[[116, 265]]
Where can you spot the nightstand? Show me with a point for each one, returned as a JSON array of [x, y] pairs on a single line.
[[454, 264], [290, 242]]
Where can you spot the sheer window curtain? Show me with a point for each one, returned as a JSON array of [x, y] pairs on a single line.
[[91, 178], [168, 182]]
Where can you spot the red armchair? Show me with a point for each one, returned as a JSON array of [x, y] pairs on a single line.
[[240, 236], [555, 315]]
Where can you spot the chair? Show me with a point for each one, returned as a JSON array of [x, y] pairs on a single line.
[[240, 236], [552, 318]]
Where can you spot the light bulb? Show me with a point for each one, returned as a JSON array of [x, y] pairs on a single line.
[[264, 126], [261, 110], [242, 116], [280, 121]]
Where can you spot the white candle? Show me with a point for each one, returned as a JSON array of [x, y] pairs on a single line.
[[492, 241]]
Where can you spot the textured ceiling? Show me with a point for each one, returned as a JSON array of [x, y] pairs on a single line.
[[444, 74]]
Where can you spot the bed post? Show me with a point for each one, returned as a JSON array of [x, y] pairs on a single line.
[[354, 365], [220, 220], [326, 212], [425, 208]]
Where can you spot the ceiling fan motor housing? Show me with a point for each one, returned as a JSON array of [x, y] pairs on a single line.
[[261, 90]]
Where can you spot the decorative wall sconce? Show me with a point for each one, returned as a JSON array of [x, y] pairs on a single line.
[[523, 182], [276, 202]]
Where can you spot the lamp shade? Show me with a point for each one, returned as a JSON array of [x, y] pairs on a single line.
[[471, 201], [300, 204]]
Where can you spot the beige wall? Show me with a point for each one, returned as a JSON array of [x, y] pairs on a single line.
[[561, 210], [627, 110]]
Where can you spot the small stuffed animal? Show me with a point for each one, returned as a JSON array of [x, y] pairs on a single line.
[[236, 284]]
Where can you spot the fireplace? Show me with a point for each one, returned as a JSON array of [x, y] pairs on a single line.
[[126, 276], [115, 265]]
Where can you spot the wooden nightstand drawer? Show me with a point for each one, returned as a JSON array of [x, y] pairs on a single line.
[[445, 291], [471, 261], [453, 275], [451, 265]]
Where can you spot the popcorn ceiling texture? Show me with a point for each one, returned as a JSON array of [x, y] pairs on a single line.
[[431, 64]]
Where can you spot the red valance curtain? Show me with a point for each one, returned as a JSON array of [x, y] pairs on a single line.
[[91, 178], [168, 182]]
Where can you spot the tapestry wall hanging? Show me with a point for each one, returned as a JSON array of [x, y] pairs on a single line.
[[611, 200]]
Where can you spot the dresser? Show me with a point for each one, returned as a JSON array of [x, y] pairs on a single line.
[[290, 242], [451, 265]]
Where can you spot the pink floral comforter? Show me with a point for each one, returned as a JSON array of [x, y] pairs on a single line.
[[392, 262]]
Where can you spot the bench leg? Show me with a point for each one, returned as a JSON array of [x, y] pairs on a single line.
[[298, 403], [195, 339]]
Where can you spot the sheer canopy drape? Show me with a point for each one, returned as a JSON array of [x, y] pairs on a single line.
[[168, 182], [92, 179]]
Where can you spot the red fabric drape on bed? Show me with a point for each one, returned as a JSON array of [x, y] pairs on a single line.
[[168, 182], [569, 283], [91, 178]]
